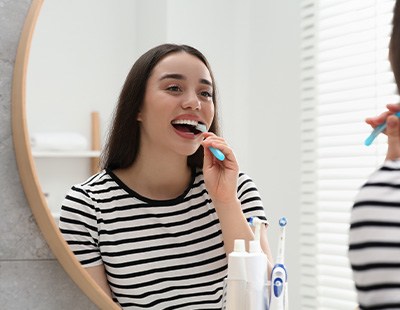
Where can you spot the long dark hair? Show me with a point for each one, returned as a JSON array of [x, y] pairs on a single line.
[[122, 145], [394, 45]]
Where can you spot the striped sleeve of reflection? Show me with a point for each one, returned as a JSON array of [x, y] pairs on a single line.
[[250, 198], [78, 222]]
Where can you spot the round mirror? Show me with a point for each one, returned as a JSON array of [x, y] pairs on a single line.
[[79, 54]]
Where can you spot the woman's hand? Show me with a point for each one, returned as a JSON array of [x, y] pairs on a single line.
[[377, 120], [220, 177], [392, 129], [221, 180]]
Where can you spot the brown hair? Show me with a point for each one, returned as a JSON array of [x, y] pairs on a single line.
[[122, 145], [394, 45]]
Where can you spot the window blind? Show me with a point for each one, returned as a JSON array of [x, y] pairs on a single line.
[[308, 223], [346, 77]]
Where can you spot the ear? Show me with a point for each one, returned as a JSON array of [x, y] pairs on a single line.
[[139, 117]]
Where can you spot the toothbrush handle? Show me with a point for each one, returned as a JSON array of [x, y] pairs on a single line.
[[375, 133], [217, 153], [379, 129]]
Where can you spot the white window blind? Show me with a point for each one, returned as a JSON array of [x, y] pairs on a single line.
[[346, 77]]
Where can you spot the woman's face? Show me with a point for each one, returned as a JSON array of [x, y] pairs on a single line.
[[178, 96]]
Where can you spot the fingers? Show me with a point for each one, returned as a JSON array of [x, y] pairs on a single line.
[[209, 159], [211, 140], [393, 107], [393, 133], [379, 119]]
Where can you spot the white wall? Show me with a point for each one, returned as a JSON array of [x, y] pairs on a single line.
[[253, 48], [81, 52]]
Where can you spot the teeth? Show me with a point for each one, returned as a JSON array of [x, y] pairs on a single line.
[[185, 122]]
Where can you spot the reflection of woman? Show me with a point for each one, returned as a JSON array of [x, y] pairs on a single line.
[[153, 228], [374, 249]]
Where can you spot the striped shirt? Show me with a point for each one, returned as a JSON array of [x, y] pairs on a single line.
[[165, 254], [374, 241]]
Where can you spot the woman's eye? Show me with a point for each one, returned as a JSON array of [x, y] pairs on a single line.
[[206, 94], [173, 88]]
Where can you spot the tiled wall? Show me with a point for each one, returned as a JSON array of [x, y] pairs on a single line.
[[30, 277]]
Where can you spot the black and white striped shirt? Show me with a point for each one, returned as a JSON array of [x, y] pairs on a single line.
[[374, 249], [157, 254]]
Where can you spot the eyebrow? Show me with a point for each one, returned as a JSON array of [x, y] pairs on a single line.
[[177, 76]]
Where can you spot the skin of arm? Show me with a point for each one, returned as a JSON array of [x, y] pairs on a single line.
[[266, 249], [221, 182], [98, 274], [220, 178]]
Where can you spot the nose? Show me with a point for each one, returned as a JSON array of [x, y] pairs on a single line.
[[191, 102]]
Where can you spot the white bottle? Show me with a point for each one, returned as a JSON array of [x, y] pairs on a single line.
[[256, 266], [236, 280]]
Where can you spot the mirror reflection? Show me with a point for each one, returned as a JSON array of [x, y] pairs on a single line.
[[80, 73]]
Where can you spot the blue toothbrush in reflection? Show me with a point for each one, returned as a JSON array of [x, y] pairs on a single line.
[[378, 129], [217, 153]]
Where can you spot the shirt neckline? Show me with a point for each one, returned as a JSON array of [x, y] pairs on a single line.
[[150, 200]]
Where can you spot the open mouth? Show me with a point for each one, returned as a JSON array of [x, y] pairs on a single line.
[[187, 126]]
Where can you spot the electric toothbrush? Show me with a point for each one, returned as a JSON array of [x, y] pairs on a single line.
[[216, 152], [256, 222], [279, 273]]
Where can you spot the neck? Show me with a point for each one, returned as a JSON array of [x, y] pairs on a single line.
[[158, 178]]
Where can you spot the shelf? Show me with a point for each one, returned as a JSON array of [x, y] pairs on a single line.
[[65, 154]]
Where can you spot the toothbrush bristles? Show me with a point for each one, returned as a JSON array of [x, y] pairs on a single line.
[[254, 220], [282, 221], [201, 127]]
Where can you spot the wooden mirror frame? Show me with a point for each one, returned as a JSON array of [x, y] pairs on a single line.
[[28, 173]]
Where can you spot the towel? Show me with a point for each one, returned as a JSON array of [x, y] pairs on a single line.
[[58, 141]]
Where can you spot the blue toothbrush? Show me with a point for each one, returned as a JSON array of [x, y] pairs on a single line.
[[217, 153], [378, 129]]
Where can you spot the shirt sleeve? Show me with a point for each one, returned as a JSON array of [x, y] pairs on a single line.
[[249, 197], [78, 225], [374, 238]]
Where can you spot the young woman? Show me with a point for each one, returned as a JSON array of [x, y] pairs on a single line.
[[374, 237], [154, 227]]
